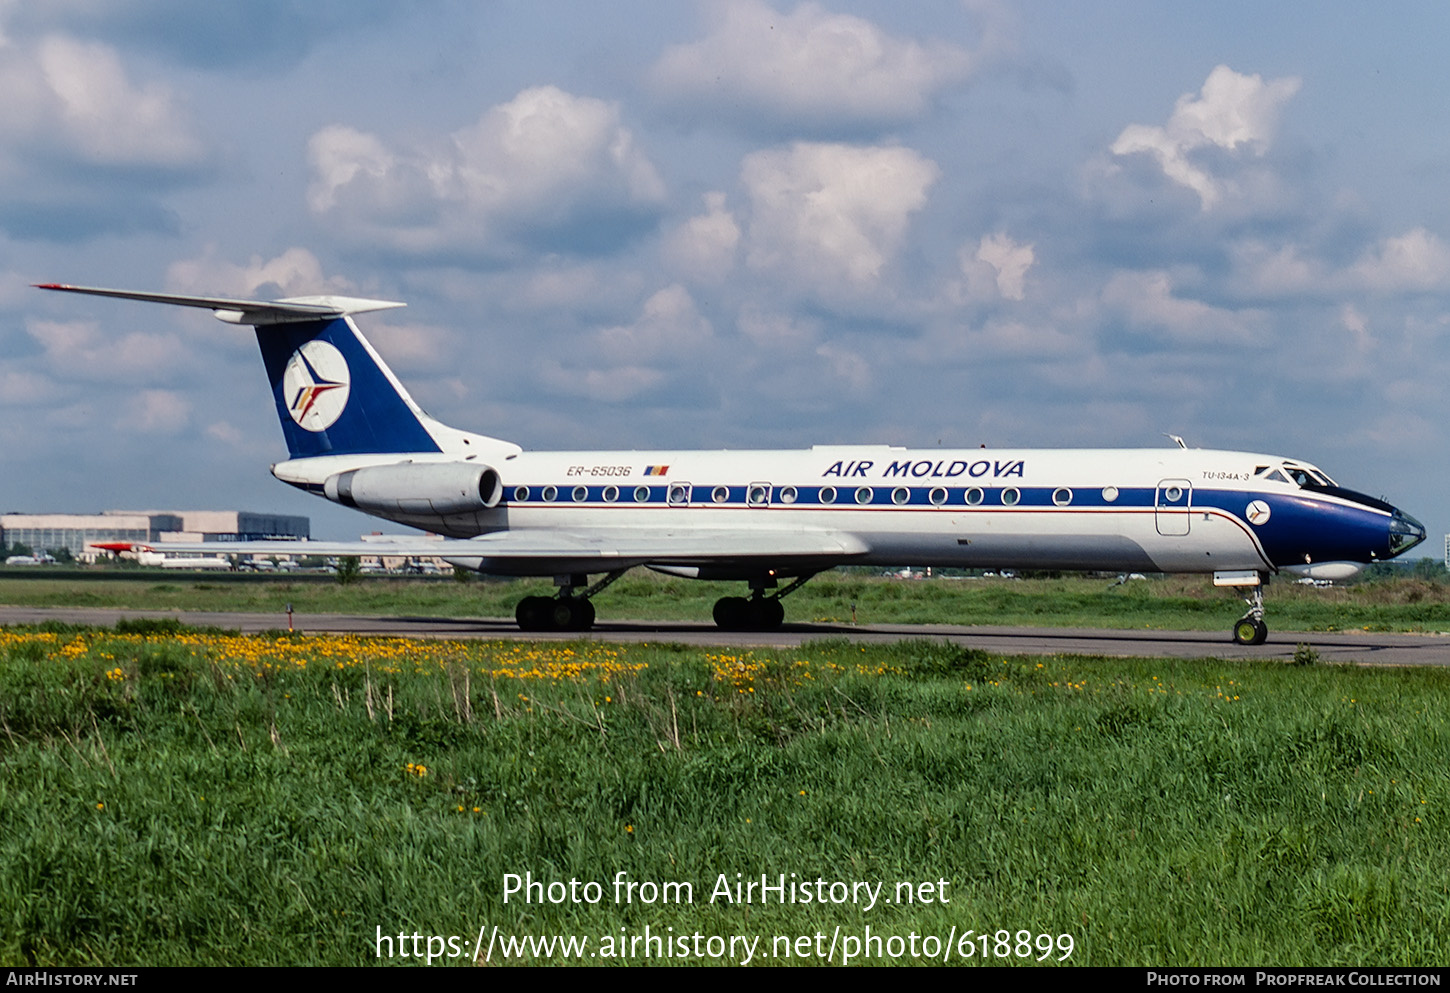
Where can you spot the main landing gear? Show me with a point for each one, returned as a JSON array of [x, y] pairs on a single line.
[[759, 612], [566, 611], [1250, 629]]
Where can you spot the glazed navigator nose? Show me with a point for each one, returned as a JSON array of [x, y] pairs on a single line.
[[1405, 532]]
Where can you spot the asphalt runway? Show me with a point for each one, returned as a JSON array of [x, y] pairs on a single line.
[[1360, 648]]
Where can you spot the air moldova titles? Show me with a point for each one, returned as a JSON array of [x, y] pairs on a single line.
[[929, 469]]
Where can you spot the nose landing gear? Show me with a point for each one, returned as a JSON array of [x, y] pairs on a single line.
[[1250, 629]]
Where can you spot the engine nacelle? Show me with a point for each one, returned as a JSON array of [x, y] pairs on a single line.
[[417, 488]]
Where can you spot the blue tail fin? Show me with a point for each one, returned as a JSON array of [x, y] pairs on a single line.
[[334, 396]]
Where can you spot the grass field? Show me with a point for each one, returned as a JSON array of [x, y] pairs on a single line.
[[171, 797], [1175, 603]]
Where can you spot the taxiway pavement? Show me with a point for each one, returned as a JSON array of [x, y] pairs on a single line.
[[1361, 648]]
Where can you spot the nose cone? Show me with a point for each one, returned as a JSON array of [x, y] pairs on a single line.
[[1405, 533]]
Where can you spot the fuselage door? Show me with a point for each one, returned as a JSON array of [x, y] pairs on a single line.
[[757, 495], [1173, 506]]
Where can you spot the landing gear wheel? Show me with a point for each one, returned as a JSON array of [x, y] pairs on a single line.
[[732, 613], [542, 613], [570, 614], [766, 613], [532, 613], [1249, 631]]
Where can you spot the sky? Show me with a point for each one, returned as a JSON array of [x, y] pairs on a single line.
[[732, 224]]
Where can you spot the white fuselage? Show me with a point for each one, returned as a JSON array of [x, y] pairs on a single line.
[[1169, 510]]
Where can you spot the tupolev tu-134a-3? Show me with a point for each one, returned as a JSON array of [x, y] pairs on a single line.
[[772, 519]]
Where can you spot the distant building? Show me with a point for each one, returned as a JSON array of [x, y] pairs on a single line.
[[234, 525], [74, 532], [77, 532], [1447, 551]]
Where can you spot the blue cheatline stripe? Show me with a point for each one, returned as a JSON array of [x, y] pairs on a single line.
[[376, 419], [846, 497]]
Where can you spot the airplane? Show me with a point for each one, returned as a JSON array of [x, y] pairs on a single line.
[[148, 555], [356, 437], [39, 558]]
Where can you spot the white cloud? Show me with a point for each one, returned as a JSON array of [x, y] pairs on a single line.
[[669, 326], [1357, 325], [625, 360], [156, 412], [1415, 260], [339, 154], [226, 433], [807, 66], [1008, 262], [832, 215], [1147, 300], [607, 385], [1231, 112], [296, 271], [82, 351], [543, 159], [1276, 271], [22, 388], [75, 99], [777, 332], [704, 247], [846, 365]]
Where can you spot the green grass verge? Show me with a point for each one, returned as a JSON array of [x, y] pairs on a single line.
[[1175, 603], [178, 797]]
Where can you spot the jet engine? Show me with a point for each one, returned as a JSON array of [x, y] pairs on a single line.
[[417, 488]]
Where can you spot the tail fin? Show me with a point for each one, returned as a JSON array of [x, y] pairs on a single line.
[[334, 394]]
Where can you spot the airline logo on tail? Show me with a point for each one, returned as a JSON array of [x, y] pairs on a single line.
[[316, 384]]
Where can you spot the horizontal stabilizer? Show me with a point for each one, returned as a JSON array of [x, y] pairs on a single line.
[[254, 312]]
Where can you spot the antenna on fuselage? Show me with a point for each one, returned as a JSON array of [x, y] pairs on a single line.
[[1176, 439]]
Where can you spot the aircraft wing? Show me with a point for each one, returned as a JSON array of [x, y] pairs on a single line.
[[539, 552]]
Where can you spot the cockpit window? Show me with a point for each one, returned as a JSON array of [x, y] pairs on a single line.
[[1277, 476], [1306, 476]]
